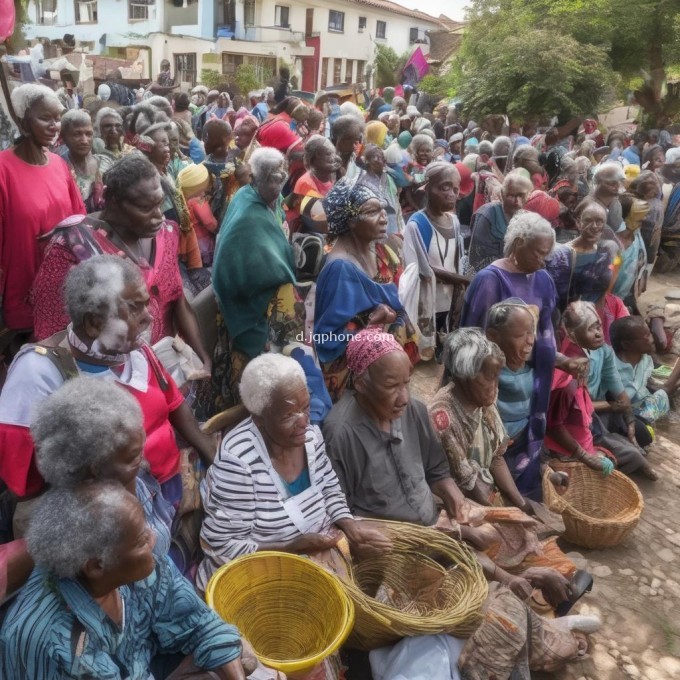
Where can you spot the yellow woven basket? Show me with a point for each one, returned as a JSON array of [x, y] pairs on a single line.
[[428, 584], [293, 612], [598, 512]]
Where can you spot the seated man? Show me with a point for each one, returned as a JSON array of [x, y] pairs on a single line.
[[98, 606], [391, 464]]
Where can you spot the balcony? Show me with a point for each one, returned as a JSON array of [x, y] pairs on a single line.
[[273, 34]]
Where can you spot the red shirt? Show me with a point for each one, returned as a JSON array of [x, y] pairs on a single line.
[[33, 200]]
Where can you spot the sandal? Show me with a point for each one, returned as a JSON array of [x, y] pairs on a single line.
[[581, 583]]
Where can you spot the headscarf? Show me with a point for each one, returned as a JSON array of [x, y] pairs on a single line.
[[404, 139], [369, 345], [104, 92], [192, 178], [376, 133], [343, 203], [638, 211], [547, 207], [470, 161], [467, 184]]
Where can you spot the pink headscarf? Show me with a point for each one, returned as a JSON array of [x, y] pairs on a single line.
[[546, 206], [367, 346]]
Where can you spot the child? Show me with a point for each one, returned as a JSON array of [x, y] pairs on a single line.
[[193, 182], [633, 343], [571, 411]]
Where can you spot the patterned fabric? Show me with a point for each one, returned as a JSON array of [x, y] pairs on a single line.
[[73, 244], [648, 405], [158, 512], [488, 228], [367, 346], [471, 440], [343, 203], [56, 629], [246, 505]]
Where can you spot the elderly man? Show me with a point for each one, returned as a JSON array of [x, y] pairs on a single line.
[[608, 181], [490, 222], [98, 605]]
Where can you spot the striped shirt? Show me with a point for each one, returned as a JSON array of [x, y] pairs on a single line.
[[245, 505]]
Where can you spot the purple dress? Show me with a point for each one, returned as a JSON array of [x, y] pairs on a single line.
[[489, 286]]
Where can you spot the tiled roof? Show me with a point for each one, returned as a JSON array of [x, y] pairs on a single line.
[[443, 44], [394, 8]]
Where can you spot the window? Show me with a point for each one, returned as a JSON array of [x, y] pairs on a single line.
[[362, 24], [380, 29], [185, 68], [337, 71], [336, 21], [349, 71], [141, 10], [46, 12], [361, 67], [265, 67], [281, 16], [324, 72], [249, 13], [413, 35], [230, 62], [86, 11]]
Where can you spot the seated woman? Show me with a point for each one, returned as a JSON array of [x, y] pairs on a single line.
[[358, 284], [93, 429], [633, 344], [512, 326], [90, 610], [573, 431], [272, 486], [131, 226], [107, 302]]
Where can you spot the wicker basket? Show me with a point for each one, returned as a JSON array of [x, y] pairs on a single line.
[[293, 612], [598, 512], [428, 584]]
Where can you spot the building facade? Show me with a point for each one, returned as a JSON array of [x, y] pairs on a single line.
[[327, 42]]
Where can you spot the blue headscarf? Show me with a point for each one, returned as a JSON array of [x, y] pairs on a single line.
[[343, 203]]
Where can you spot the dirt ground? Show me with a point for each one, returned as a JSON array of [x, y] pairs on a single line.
[[637, 584]]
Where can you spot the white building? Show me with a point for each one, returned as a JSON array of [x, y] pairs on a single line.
[[328, 42]]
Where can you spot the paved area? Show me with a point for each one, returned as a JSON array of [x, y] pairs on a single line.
[[637, 584]]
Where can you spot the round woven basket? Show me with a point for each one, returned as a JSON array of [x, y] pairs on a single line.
[[293, 612], [598, 512], [428, 584]]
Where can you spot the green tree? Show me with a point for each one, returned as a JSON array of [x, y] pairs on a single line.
[[211, 79], [246, 78], [388, 65]]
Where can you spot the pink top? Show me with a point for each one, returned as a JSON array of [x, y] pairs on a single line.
[[33, 200]]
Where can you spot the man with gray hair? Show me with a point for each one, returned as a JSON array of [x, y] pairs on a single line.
[[98, 605]]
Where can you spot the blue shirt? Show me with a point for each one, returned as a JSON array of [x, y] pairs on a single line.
[[632, 155], [56, 630], [603, 376], [515, 390]]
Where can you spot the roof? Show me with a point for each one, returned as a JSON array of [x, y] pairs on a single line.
[[451, 24], [394, 8], [443, 44]]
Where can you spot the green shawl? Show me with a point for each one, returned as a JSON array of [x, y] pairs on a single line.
[[252, 260]]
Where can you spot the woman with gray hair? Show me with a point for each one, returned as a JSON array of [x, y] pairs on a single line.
[[272, 486], [98, 605], [77, 134], [107, 302], [108, 143], [30, 166], [93, 429]]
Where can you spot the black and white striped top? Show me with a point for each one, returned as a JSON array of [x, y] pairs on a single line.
[[244, 503]]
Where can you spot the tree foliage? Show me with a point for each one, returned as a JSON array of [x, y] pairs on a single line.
[[211, 79], [246, 78], [388, 66]]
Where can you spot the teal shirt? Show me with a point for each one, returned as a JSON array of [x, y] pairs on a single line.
[[515, 391]]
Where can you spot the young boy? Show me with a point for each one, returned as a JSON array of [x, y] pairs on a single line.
[[633, 343]]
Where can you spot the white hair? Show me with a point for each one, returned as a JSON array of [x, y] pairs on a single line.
[[465, 351], [105, 112], [351, 109], [608, 172], [422, 139], [515, 178], [264, 161], [74, 118], [96, 285], [26, 96], [527, 226], [263, 376], [71, 526], [82, 426]]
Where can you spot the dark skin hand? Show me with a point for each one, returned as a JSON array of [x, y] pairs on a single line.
[[659, 334], [187, 327], [183, 420]]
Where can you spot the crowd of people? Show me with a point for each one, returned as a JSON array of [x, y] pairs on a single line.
[[303, 258]]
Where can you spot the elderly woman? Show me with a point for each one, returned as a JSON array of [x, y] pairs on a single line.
[[358, 284], [607, 184], [647, 187], [93, 429], [529, 241], [107, 302], [272, 486], [77, 134], [253, 270], [131, 225], [245, 141], [322, 163], [490, 222], [108, 144], [583, 268], [347, 132], [433, 242], [30, 165], [374, 175], [527, 157], [96, 582]]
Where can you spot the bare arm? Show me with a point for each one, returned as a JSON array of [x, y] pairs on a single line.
[[187, 326], [445, 276], [450, 494], [506, 484], [182, 419]]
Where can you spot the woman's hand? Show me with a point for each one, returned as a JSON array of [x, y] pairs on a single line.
[[560, 480], [577, 368], [382, 315], [312, 543], [365, 541], [518, 585], [599, 463], [550, 582]]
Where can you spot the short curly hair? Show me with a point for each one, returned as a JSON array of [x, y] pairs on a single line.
[[263, 376], [527, 226], [81, 427], [465, 351]]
